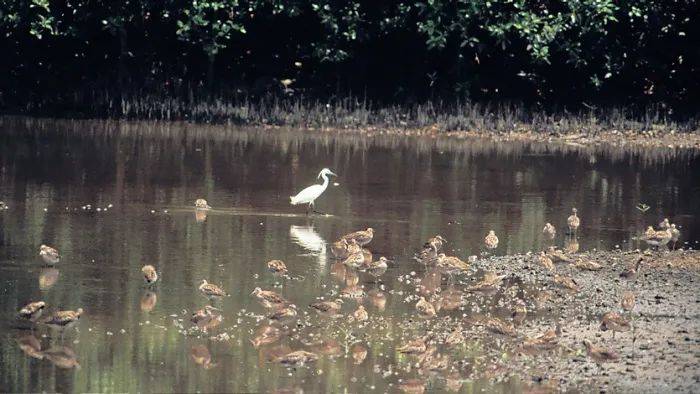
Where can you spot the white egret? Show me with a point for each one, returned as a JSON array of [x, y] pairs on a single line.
[[311, 193]]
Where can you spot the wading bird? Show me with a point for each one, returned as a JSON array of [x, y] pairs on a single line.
[[311, 193], [362, 237], [277, 267], [600, 354], [491, 240], [573, 221], [49, 254], [32, 311], [211, 290], [201, 203], [149, 274], [549, 231]]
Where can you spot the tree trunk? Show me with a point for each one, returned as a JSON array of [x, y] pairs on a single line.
[[210, 71]]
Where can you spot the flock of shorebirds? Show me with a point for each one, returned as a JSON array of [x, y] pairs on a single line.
[[351, 253]]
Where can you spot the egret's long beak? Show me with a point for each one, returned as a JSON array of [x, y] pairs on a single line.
[[332, 173]]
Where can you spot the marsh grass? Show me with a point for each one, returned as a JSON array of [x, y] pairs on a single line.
[[351, 112]]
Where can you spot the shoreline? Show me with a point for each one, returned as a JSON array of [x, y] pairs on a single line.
[[656, 138]]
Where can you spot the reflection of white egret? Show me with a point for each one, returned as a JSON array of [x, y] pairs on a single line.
[[308, 238], [311, 193]]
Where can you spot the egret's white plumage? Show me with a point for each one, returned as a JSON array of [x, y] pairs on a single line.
[[311, 193]]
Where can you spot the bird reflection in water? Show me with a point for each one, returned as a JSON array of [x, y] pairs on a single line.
[[201, 356], [148, 301], [310, 240], [48, 277], [30, 345], [62, 357]]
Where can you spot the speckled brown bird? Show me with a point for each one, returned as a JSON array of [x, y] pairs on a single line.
[[558, 256], [328, 308], [545, 261], [451, 264], [149, 274], [362, 237], [573, 221], [628, 300], [211, 290], [298, 357], [283, 313], [489, 282], [498, 326], [615, 322], [268, 298], [63, 318], [437, 243], [491, 240], [339, 249], [360, 314], [424, 308], [414, 346], [566, 282], [32, 311], [201, 203], [49, 254], [203, 314], [277, 267], [631, 269], [549, 231], [587, 265], [355, 260], [354, 292], [600, 354]]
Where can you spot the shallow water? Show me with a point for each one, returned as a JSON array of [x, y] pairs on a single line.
[[148, 176]]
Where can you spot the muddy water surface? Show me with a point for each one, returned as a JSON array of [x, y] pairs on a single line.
[[115, 196]]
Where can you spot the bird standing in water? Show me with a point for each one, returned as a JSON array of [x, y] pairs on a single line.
[[549, 231], [573, 221], [491, 240], [311, 193], [149, 274], [49, 254], [201, 203]]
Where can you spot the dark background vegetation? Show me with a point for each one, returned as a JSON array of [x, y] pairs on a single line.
[[172, 58]]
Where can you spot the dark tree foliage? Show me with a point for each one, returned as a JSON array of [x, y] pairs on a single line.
[[539, 52]]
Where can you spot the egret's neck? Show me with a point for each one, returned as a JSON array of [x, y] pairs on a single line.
[[325, 181]]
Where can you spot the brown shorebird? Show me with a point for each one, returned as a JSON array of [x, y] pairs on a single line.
[[545, 261], [615, 322], [277, 267], [600, 354], [424, 308], [355, 260], [149, 274], [339, 249], [377, 268], [203, 314], [549, 231], [451, 264], [491, 240], [548, 340], [573, 221], [283, 313], [632, 268], [437, 243], [675, 234], [519, 312], [211, 290], [455, 337], [412, 386], [566, 282], [498, 326], [298, 357], [362, 237], [328, 308], [665, 224], [558, 256], [63, 319], [490, 281], [360, 314], [587, 265], [201, 203], [32, 311], [49, 254], [627, 301], [354, 292], [415, 346], [658, 238], [268, 298]]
